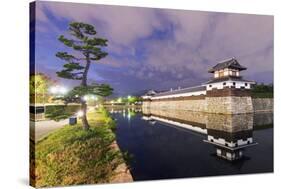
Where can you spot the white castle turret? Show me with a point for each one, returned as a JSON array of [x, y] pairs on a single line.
[[225, 93], [227, 75]]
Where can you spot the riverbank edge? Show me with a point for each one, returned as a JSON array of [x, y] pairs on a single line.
[[121, 174]]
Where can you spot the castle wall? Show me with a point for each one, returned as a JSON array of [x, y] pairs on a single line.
[[223, 101], [187, 105], [229, 105], [263, 104]]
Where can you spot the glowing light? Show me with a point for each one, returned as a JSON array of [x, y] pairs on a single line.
[[129, 116], [119, 100], [129, 97], [62, 90], [53, 90], [93, 97], [85, 98], [58, 90], [80, 113]]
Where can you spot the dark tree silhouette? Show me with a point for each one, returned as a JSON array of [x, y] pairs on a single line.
[[88, 49]]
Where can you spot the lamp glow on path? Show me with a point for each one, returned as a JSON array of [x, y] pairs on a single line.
[[80, 113]]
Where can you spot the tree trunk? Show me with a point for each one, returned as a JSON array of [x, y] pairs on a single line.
[[85, 123], [85, 74]]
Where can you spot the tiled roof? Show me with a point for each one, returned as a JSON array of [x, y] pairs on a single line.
[[229, 78], [229, 63], [181, 91], [150, 93]]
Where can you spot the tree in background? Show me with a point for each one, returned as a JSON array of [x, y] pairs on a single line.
[[87, 49], [38, 86], [133, 99], [263, 91]]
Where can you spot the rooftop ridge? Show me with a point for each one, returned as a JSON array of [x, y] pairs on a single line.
[[225, 60], [180, 89]]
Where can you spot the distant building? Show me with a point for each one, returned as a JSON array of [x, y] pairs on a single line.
[[226, 75], [149, 94]]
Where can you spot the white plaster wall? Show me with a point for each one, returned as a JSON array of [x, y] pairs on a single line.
[[238, 85], [197, 93]]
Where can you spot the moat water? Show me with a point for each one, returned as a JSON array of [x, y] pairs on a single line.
[[174, 144]]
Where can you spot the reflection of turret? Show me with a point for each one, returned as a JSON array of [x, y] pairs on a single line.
[[230, 134]]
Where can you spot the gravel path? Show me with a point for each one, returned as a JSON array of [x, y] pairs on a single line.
[[42, 128]]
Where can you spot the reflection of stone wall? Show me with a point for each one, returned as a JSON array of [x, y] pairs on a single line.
[[229, 123], [261, 119], [219, 122], [263, 104], [187, 116]]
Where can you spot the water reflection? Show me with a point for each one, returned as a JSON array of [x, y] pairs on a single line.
[[177, 144], [229, 134]]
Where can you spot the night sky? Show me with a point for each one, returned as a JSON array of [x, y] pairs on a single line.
[[157, 48]]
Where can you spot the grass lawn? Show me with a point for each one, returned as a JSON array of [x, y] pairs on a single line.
[[72, 156]]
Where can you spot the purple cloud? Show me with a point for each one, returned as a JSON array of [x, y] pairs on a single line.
[[151, 46]]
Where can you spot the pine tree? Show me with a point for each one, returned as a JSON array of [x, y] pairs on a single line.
[[88, 49]]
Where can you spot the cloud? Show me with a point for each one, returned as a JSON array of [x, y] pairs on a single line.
[[123, 25], [158, 48]]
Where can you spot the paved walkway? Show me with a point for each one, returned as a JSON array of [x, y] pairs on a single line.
[[43, 128]]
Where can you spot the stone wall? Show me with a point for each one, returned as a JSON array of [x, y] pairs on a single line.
[[188, 105], [214, 104], [263, 104], [229, 105]]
